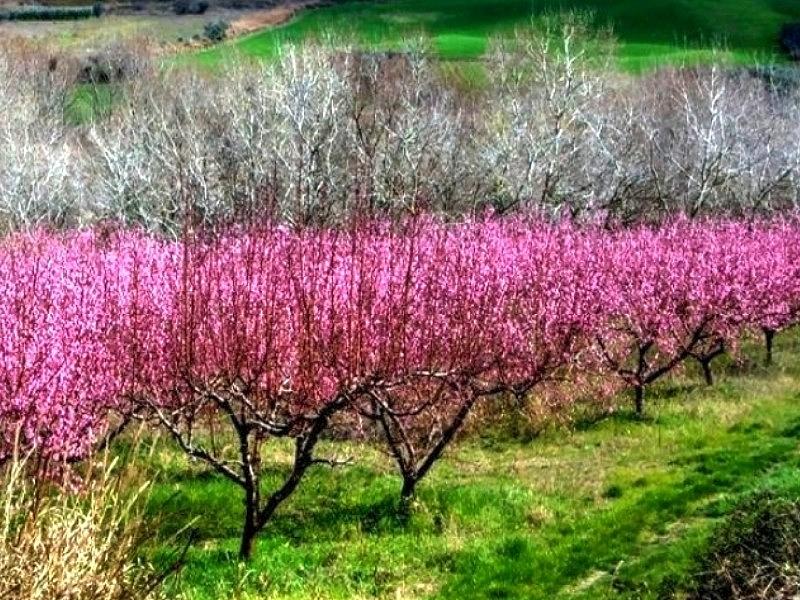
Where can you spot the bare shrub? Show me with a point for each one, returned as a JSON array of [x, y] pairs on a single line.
[[43, 158], [719, 142], [755, 554], [35, 153]]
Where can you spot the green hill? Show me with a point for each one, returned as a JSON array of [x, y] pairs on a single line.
[[649, 31]]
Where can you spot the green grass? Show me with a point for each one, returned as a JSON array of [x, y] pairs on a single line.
[[88, 102], [610, 508], [650, 32]]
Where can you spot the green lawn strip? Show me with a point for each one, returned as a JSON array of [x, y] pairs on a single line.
[[642, 531]]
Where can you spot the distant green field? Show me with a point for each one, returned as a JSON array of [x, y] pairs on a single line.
[[649, 31]]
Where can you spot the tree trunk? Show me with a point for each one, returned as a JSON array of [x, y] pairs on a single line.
[[249, 532], [638, 396], [408, 491], [707, 374], [769, 337]]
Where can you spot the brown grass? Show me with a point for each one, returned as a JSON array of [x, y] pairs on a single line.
[[56, 545], [269, 17]]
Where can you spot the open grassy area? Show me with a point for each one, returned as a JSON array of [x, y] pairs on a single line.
[[650, 32], [617, 507], [91, 34]]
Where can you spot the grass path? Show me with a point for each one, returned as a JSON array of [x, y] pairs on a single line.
[[650, 32], [617, 508]]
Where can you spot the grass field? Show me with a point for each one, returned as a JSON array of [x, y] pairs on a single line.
[[614, 508], [649, 32], [91, 34]]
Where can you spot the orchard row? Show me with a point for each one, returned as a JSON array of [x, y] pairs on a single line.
[[230, 340]]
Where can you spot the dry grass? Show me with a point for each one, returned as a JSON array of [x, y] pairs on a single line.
[[168, 31], [251, 21], [91, 35], [65, 546]]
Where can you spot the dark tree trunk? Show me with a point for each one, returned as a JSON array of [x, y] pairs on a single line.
[[249, 532], [409, 490], [769, 338], [258, 515], [638, 397], [705, 363], [250, 528], [412, 466]]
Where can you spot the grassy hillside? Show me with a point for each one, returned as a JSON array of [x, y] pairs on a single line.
[[616, 508], [649, 31]]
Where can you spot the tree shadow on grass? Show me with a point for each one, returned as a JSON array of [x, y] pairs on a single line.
[[792, 429], [354, 497], [590, 420], [656, 394]]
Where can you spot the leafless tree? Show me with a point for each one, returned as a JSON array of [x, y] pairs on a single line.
[[320, 134]]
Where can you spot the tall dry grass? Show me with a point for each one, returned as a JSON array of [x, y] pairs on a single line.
[[81, 544]]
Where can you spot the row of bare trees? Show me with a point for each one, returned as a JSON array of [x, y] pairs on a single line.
[[320, 134]]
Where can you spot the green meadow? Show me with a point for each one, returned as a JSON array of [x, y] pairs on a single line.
[[649, 32]]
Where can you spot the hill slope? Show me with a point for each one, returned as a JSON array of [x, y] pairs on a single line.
[[653, 30]]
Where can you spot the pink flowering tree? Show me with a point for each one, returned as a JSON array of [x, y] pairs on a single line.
[[721, 286], [58, 377], [504, 306], [270, 333], [752, 283], [670, 294], [240, 342], [442, 319], [236, 351], [552, 304], [773, 279]]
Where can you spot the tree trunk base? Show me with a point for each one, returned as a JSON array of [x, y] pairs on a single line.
[[638, 400], [246, 544], [708, 375], [769, 339]]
